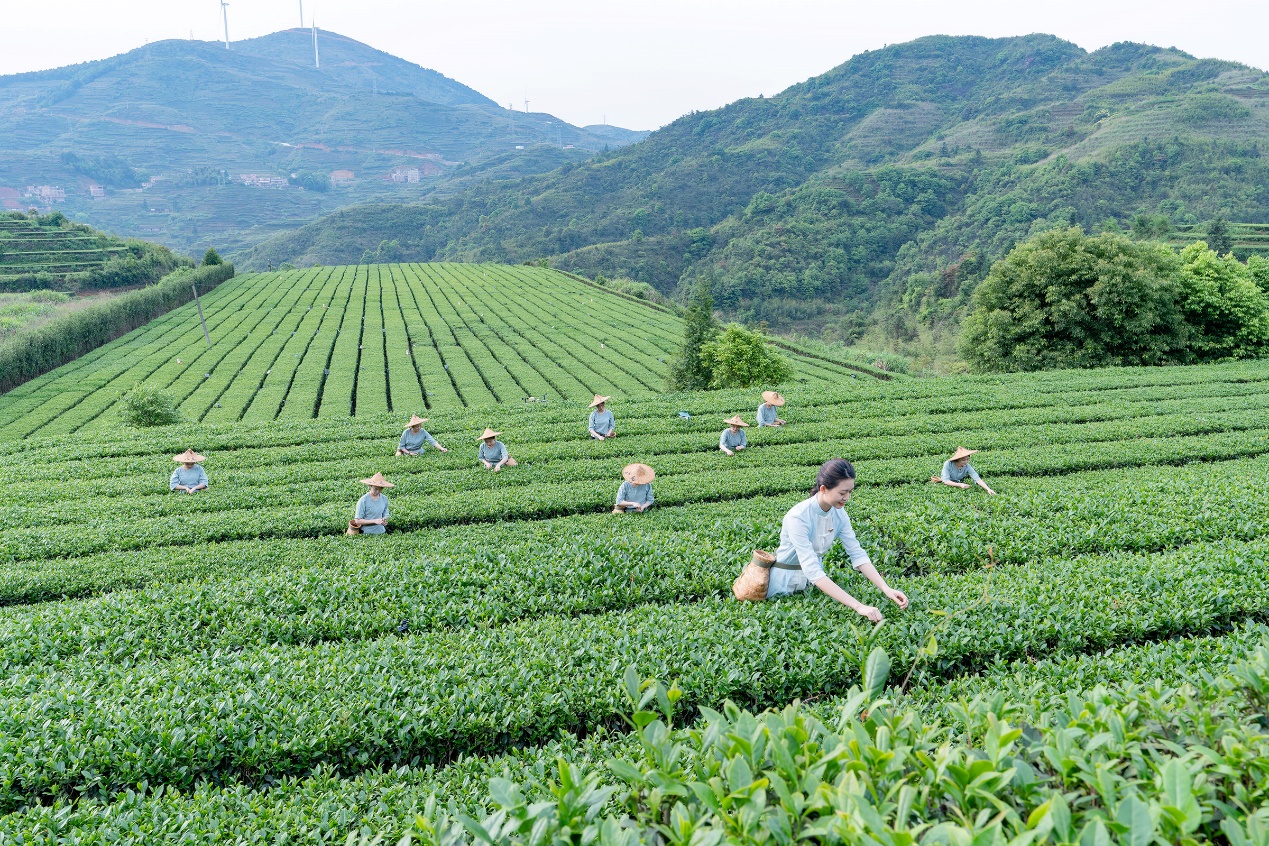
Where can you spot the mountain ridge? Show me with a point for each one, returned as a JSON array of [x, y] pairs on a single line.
[[870, 198], [195, 116]]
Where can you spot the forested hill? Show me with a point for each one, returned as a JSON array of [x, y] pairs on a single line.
[[196, 129], [876, 193]]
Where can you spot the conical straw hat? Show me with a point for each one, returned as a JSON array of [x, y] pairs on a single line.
[[961, 452], [378, 481], [489, 433], [189, 456], [638, 474], [773, 397], [735, 420], [597, 400], [415, 420]]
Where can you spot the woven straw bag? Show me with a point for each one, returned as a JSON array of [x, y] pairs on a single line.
[[751, 584]]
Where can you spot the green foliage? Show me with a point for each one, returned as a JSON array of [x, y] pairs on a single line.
[[1064, 299], [211, 258], [1227, 312], [21, 310], [837, 207], [688, 371], [1218, 236], [312, 180], [145, 406], [29, 354], [220, 637], [1214, 108], [110, 170], [739, 358], [45, 251], [353, 340]]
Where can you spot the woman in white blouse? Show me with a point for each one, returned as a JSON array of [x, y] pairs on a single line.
[[808, 532]]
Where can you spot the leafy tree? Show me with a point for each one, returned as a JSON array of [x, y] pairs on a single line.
[[739, 358], [146, 405], [688, 372], [212, 257], [1064, 299], [312, 180], [1227, 311], [1218, 237]]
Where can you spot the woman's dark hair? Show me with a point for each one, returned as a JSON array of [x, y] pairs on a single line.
[[832, 473]]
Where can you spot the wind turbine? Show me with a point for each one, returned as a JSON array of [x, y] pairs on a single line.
[[224, 10], [301, 14], [317, 62]]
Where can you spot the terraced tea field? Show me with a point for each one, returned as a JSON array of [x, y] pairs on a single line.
[[229, 666], [350, 341]]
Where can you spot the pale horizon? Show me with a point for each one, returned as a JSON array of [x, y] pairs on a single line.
[[638, 69]]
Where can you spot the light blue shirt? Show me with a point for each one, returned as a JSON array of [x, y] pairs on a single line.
[[732, 440], [602, 422], [806, 534], [638, 494], [492, 454], [369, 508], [952, 473], [413, 442], [191, 478], [766, 415]]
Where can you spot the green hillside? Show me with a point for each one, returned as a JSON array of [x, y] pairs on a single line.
[[230, 667], [194, 116], [351, 341], [51, 252], [870, 199]]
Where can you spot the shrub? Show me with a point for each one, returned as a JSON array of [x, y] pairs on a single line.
[[146, 405], [739, 358], [211, 257]]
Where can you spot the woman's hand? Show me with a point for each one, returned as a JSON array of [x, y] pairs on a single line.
[[441, 448], [896, 596], [871, 612]]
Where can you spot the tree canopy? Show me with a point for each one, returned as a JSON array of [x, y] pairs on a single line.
[[1066, 299]]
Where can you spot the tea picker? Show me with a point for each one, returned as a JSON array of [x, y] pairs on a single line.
[[807, 533], [493, 452], [415, 437], [733, 437], [957, 468], [635, 493], [771, 400], [190, 476], [371, 516], [602, 425]]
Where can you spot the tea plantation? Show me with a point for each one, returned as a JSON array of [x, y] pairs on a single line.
[[1084, 648], [350, 341]]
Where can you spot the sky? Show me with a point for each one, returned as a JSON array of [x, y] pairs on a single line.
[[637, 65]]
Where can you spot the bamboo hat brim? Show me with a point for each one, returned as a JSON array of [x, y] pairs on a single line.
[[415, 420], [378, 481], [489, 433], [188, 457], [598, 400], [773, 397], [961, 452], [638, 474], [735, 420]]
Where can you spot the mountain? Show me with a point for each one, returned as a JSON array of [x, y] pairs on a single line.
[[193, 117], [869, 200]]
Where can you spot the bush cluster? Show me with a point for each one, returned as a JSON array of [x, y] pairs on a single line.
[[1066, 299]]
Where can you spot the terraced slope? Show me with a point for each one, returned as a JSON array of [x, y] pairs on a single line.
[[349, 341], [264, 675], [27, 248]]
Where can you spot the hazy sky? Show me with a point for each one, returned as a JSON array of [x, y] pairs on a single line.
[[638, 65]]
